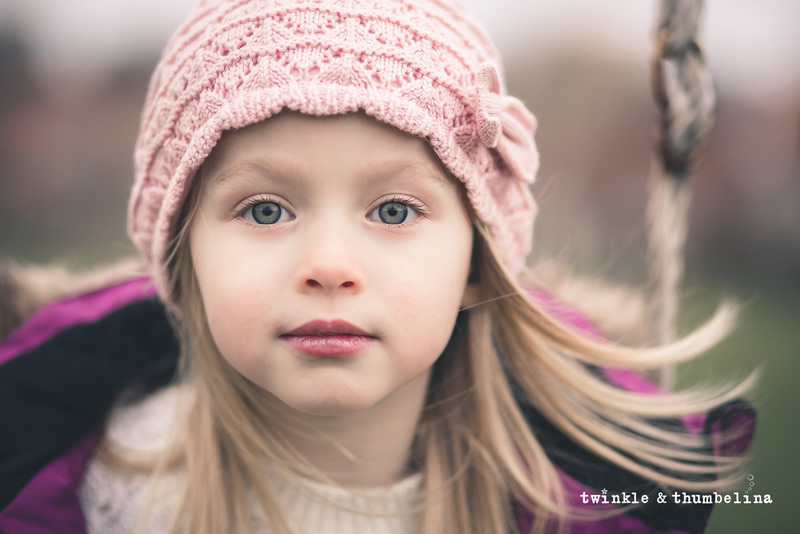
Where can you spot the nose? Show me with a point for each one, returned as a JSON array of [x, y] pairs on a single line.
[[329, 265]]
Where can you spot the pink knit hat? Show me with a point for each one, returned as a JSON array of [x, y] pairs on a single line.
[[423, 66]]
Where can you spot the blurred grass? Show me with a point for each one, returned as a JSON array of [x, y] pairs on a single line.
[[766, 338]]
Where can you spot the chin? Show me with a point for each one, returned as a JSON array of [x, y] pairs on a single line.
[[329, 403]]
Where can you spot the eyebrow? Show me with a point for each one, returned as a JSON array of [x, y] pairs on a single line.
[[279, 169], [392, 169], [287, 170]]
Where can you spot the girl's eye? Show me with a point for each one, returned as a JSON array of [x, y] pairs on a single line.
[[267, 213], [394, 213]]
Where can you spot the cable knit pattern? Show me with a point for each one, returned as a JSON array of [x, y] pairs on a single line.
[[113, 500], [413, 64]]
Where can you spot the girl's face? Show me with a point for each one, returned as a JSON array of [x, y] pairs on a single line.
[[332, 256]]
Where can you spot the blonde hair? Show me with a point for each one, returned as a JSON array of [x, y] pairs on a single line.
[[474, 444]]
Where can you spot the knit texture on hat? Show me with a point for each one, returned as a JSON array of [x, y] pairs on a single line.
[[422, 66]]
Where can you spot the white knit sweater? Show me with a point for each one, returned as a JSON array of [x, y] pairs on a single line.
[[112, 499]]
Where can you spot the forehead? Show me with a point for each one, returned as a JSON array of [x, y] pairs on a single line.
[[354, 135], [291, 144]]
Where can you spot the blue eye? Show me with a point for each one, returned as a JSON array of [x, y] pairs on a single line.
[[267, 213], [393, 212], [396, 212]]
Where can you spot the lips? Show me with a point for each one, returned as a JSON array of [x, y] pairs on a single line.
[[327, 328], [328, 338]]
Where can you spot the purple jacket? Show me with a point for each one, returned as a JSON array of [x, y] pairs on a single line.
[[61, 371]]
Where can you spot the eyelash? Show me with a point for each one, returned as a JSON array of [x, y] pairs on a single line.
[[244, 206], [411, 202]]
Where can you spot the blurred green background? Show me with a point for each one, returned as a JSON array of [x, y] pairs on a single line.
[[73, 76]]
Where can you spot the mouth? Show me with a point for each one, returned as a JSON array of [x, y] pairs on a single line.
[[328, 338], [327, 328]]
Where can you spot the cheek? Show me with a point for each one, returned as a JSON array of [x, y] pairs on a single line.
[[235, 296], [427, 293], [229, 320], [425, 326]]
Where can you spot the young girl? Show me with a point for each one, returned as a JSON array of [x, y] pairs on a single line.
[[332, 202]]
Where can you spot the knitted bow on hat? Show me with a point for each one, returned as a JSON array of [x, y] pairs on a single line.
[[505, 124]]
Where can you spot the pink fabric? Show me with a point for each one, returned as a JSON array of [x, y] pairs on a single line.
[[505, 123], [423, 66], [82, 309], [49, 502]]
